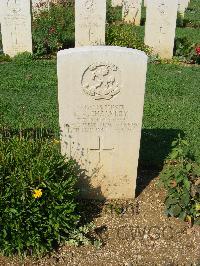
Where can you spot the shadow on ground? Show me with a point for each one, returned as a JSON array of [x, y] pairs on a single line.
[[154, 148]]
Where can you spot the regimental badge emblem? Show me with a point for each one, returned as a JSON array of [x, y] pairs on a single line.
[[101, 81]]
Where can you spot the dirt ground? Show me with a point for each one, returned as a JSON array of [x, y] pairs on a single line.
[[133, 233]]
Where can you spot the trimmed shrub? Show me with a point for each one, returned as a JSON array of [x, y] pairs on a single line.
[[53, 29], [123, 35]]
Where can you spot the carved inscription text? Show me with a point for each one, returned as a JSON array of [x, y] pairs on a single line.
[[101, 117]]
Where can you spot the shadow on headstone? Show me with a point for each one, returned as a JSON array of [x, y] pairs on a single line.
[[154, 148]]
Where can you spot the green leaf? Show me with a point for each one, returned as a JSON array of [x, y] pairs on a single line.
[[174, 154], [170, 201], [175, 210], [186, 184], [182, 215], [188, 167], [184, 200], [185, 142]]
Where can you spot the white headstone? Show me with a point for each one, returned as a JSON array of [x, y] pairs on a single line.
[[131, 11], [160, 26], [101, 95], [116, 3], [90, 22], [16, 26], [39, 5]]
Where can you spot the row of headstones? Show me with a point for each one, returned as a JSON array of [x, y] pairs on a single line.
[[131, 11], [90, 20], [100, 103]]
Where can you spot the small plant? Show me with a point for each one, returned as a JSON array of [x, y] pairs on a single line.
[[82, 235], [53, 29], [5, 58], [197, 55], [23, 58], [181, 178], [38, 207], [180, 20], [113, 14], [123, 35], [187, 50]]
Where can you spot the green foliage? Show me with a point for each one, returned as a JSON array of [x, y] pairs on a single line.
[[123, 35], [82, 236], [186, 50], [180, 20], [4, 58], [23, 58], [192, 14], [181, 178], [183, 47], [37, 191], [113, 14], [53, 29]]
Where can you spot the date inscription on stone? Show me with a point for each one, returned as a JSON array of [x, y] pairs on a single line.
[[101, 117]]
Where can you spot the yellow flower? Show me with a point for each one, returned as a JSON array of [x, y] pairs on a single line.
[[55, 141], [37, 193]]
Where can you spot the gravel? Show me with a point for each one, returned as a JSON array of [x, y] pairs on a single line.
[[134, 232]]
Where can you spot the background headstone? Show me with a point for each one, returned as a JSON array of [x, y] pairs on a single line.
[[90, 22], [160, 26], [131, 11], [116, 3], [101, 94], [16, 26], [145, 3], [182, 6], [39, 5]]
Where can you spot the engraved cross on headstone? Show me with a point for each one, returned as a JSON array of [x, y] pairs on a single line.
[[100, 149]]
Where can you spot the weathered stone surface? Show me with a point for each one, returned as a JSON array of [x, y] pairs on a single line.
[[160, 26], [90, 22], [101, 94], [16, 26], [39, 5], [131, 11], [116, 3]]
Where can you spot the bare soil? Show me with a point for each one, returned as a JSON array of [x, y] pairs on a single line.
[[133, 232]]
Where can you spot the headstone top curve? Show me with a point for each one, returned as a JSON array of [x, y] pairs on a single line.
[[101, 49]]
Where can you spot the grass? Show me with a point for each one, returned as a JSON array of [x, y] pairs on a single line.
[[28, 96], [191, 34], [29, 100], [192, 14]]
